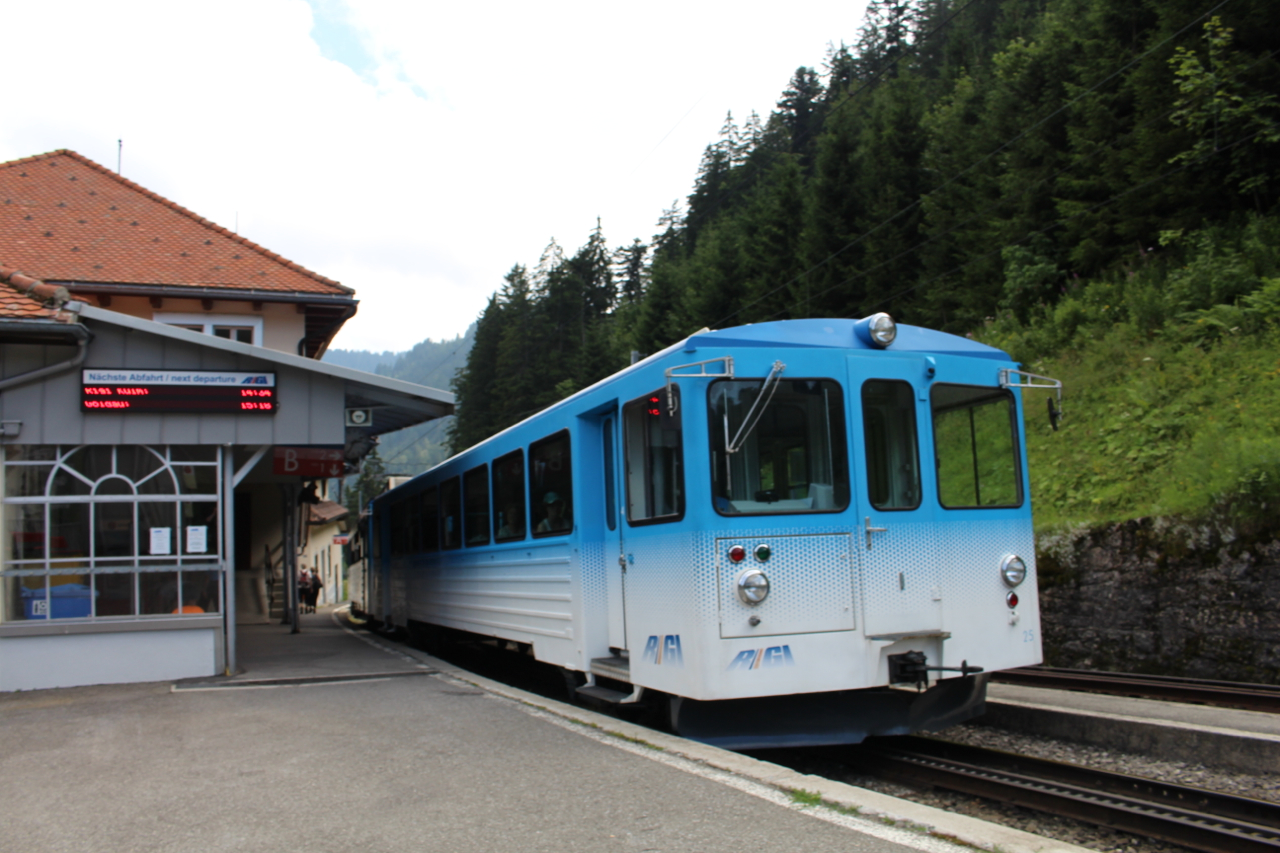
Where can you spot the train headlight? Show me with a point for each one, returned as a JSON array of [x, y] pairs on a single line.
[[1013, 570], [753, 586], [878, 330]]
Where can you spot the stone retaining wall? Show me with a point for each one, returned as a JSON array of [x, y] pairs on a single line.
[[1163, 596]]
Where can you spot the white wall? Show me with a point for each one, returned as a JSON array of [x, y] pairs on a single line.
[[35, 663]]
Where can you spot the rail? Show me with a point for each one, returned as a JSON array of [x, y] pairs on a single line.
[[1190, 817], [1222, 694]]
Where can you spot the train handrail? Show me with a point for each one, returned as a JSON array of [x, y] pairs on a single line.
[[1007, 380], [672, 376]]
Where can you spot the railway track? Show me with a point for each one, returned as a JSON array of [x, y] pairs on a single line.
[[1191, 817], [1222, 694]]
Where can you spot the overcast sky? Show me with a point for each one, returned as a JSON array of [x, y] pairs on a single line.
[[412, 150]]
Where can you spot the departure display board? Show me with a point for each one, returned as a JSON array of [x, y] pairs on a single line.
[[173, 392]]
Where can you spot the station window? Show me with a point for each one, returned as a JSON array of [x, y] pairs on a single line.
[[100, 531], [475, 487], [551, 485], [508, 497], [975, 438], [245, 328], [450, 514], [655, 471], [893, 456], [778, 449]]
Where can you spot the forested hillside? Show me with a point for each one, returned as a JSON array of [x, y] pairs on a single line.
[[1071, 179], [430, 363]]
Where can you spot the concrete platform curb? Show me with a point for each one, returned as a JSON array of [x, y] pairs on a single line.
[[939, 823], [1252, 752]]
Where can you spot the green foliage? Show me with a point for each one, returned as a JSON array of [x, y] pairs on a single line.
[[1088, 184], [1172, 398], [546, 336], [1220, 107], [367, 485]]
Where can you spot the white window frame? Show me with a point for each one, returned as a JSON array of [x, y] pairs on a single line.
[[206, 322], [91, 565]]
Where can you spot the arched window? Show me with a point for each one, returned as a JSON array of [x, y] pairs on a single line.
[[101, 532]]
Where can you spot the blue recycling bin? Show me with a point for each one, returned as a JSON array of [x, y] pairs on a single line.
[[66, 601]]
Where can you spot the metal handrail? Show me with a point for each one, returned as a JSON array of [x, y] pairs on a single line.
[[671, 375]]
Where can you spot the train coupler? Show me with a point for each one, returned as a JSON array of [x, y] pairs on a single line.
[[913, 668]]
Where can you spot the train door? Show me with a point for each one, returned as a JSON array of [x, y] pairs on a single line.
[[614, 547], [897, 530]]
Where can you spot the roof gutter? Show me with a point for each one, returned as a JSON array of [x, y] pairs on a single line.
[[58, 296]]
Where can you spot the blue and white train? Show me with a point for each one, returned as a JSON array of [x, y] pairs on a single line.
[[798, 532]]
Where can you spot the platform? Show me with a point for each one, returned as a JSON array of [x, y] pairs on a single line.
[[1174, 731], [336, 739]]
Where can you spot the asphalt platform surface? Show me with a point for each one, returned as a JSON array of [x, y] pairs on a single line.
[[327, 742]]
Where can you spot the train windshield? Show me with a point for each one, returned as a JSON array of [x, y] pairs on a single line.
[[975, 438], [794, 457]]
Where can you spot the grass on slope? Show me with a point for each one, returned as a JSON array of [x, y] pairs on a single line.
[[1172, 386]]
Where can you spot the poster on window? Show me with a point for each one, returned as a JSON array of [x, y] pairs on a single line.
[[161, 540], [197, 539]]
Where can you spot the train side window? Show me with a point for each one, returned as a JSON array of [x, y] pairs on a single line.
[[654, 471], [475, 490], [508, 497], [450, 514], [975, 437], [431, 520], [414, 515], [399, 529], [893, 455], [551, 485], [793, 459]]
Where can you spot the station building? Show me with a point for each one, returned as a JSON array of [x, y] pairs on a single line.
[[162, 407]]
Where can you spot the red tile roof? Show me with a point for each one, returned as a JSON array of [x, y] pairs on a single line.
[[25, 297], [65, 218], [15, 304], [327, 512]]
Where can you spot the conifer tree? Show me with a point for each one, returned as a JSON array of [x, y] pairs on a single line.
[[473, 385], [631, 270]]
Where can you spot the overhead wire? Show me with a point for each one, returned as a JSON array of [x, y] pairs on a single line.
[[1005, 199], [1003, 146], [1049, 227], [845, 99]]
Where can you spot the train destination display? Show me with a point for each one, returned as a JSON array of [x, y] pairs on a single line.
[[160, 392]]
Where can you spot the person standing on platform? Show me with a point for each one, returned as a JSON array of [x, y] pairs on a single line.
[[313, 590]]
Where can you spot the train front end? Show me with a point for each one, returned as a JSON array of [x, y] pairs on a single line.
[[855, 552]]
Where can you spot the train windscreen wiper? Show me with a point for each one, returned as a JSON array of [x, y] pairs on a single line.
[[770, 387]]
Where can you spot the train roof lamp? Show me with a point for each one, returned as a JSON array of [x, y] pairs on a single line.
[[878, 330]]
